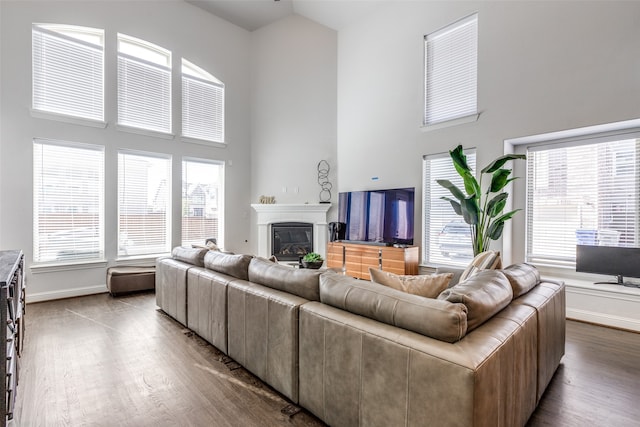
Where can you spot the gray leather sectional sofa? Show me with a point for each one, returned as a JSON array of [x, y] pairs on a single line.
[[357, 353]]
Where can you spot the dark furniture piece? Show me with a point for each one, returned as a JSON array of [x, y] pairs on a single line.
[[12, 310]]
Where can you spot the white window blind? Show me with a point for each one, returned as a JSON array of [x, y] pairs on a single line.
[[68, 201], [68, 70], [144, 204], [451, 71], [202, 201], [144, 85], [202, 104], [581, 192], [447, 238]]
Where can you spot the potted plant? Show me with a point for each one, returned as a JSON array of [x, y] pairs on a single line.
[[481, 209], [312, 260]]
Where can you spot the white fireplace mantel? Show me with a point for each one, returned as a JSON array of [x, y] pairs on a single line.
[[315, 214]]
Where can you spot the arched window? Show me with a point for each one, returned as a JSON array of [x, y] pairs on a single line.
[[202, 104], [144, 85], [68, 70]]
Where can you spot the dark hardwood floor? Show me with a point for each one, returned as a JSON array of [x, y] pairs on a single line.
[[104, 361]]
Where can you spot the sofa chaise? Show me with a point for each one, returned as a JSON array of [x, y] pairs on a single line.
[[358, 353]]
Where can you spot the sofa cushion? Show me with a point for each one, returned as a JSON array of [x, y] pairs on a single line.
[[301, 282], [232, 265], [428, 286], [484, 294], [439, 319], [189, 255], [487, 260], [522, 277]]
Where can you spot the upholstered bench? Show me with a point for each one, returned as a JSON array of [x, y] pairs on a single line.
[[124, 279]]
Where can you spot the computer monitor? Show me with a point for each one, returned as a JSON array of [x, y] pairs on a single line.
[[611, 260]]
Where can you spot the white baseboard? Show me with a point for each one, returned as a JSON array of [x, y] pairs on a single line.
[[66, 293], [604, 319]]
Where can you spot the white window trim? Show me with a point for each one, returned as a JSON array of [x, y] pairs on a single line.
[[221, 194], [430, 38], [146, 132], [452, 122], [169, 213], [192, 72], [139, 260], [58, 31], [66, 266], [52, 266], [48, 115], [191, 140], [513, 145], [123, 56], [425, 232]]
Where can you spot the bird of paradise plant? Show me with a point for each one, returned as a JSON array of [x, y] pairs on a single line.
[[483, 211]]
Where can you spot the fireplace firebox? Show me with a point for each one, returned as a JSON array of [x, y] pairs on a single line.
[[291, 240]]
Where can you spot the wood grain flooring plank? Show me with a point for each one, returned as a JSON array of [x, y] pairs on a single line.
[[104, 361]]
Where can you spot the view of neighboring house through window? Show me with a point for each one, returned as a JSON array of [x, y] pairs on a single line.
[[447, 238], [68, 70], [202, 104], [68, 81], [582, 192], [451, 71], [202, 201], [144, 85], [68, 202], [144, 203]]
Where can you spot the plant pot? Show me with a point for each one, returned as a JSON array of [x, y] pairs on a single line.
[[314, 265]]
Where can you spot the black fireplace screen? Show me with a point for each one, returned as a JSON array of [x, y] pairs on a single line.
[[291, 240]]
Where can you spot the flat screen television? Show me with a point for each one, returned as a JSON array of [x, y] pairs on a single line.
[[611, 260], [382, 217]]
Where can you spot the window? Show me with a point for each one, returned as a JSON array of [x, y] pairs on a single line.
[[447, 238], [581, 192], [451, 68], [68, 201], [144, 203], [202, 104], [202, 201], [144, 85], [68, 70]]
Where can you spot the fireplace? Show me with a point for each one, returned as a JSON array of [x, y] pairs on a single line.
[[268, 214], [291, 240]]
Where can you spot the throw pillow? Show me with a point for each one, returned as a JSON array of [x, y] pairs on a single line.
[[523, 277], [487, 260], [189, 255], [428, 286], [302, 282], [484, 294], [229, 264]]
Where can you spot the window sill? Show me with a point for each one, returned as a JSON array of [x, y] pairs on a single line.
[[40, 114], [569, 275], [434, 266], [449, 123], [199, 141], [139, 259], [146, 132], [57, 267]]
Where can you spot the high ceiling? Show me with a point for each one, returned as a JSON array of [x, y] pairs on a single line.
[[253, 14]]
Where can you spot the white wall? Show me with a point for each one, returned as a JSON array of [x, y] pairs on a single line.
[[211, 43], [543, 66], [293, 100]]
